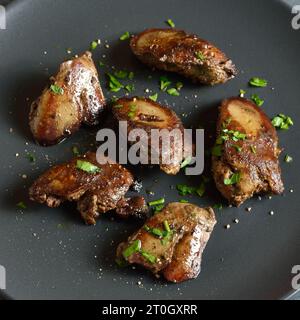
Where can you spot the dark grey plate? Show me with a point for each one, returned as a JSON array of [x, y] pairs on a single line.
[[50, 253]]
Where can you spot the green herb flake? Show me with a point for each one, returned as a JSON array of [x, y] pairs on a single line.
[[183, 201], [133, 248], [164, 83], [129, 87], [56, 89], [288, 159], [170, 23], [157, 202], [87, 167], [173, 92], [130, 75], [217, 151], [131, 115], [94, 45], [75, 151], [158, 208], [157, 232], [121, 263], [125, 36], [237, 148], [185, 189], [154, 97], [258, 101], [121, 74], [200, 56], [234, 179], [186, 162], [149, 257], [101, 64], [218, 206], [31, 157], [179, 86], [242, 93], [258, 82], [282, 122], [132, 112], [167, 226], [21, 205], [201, 189], [114, 84]]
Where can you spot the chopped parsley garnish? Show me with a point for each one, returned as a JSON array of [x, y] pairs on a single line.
[[179, 86], [132, 112], [158, 208], [121, 262], [164, 235], [31, 157], [130, 75], [217, 151], [170, 23], [173, 92], [101, 64], [258, 101], [185, 190], [125, 36], [21, 205], [200, 56], [157, 202], [218, 206], [183, 201], [258, 82], [118, 106], [288, 159], [114, 84], [75, 151], [186, 162], [121, 74], [282, 122], [94, 45], [136, 247], [242, 93], [87, 166], [234, 179], [133, 248], [231, 134], [164, 83], [148, 256], [56, 89], [167, 226], [201, 189], [154, 97], [129, 87], [237, 148], [155, 231], [157, 205]]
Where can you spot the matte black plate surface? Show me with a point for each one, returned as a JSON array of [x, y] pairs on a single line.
[[50, 253]]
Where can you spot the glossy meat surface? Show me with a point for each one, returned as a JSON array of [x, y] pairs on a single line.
[[143, 113], [77, 99], [254, 158], [176, 51], [95, 193], [177, 254]]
